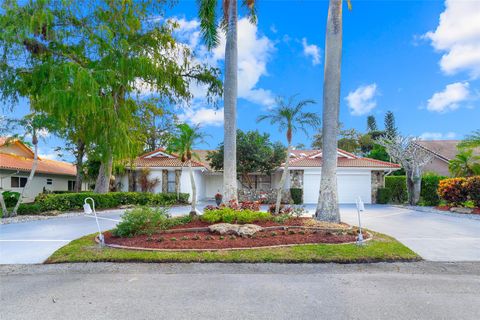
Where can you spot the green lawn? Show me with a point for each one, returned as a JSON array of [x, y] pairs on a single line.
[[381, 248]]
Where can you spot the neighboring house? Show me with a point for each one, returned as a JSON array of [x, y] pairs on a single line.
[[443, 151], [356, 176], [16, 160]]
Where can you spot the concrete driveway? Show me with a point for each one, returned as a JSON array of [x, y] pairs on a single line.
[[434, 237]]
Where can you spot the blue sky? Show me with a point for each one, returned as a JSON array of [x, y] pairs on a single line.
[[397, 55]]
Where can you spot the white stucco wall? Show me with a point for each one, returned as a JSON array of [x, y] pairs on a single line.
[[59, 183], [186, 187], [213, 185]]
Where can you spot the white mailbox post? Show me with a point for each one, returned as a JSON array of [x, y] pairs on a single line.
[[88, 210], [360, 208]]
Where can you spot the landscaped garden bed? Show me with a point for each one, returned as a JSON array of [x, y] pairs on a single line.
[[229, 235], [271, 234]]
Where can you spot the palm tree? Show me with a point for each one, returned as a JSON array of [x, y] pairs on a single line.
[[327, 207], [182, 145], [290, 117], [472, 141], [209, 27], [465, 164]]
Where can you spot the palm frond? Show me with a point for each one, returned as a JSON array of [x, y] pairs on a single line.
[[208, 22], [252, 10], [471, 141]]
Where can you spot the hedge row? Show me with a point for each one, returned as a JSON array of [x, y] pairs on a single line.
[[456, 191], [396, 190], [75, 201]]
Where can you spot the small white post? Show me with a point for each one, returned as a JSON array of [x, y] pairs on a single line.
[[88, 210], [360, 208]]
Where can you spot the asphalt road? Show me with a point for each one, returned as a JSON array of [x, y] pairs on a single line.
[[434, 237], [424, 290]]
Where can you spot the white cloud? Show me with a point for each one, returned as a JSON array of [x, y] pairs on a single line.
[[362, 100], [203, 116], [254, 52], [438, 136], [49, 154], [458, 36], [311, 50], [450, 98]]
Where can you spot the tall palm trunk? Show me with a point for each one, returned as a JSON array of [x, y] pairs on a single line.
[[3, 206], [32, 173], [230, 107], [283, 179], [193, 211], [327, 208], [102, 184], [79, 160]]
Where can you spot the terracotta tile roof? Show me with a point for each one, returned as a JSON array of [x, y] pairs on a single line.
[[344, 162], [14, 162], [162, 160], [304, 158], [312, 159]]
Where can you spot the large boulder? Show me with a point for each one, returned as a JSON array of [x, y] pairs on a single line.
[[242, 230]]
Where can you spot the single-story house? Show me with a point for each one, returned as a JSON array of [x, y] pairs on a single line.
[[356, 176], [443, 151], [16, 161]]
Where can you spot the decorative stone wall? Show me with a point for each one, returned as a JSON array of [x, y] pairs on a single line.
[[178, 173], [265, 196], [164, 180], [377, 182], [296, 179]]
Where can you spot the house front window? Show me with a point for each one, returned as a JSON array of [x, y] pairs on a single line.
[[18, 182], [49, 181], [71, 185]]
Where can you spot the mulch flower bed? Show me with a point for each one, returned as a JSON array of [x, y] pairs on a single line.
[[447, 208], [290, 222], [205, 240]]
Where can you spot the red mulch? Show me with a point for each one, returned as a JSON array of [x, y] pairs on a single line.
[[213, 241]]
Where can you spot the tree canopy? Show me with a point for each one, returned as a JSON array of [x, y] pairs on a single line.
[[255, 154]]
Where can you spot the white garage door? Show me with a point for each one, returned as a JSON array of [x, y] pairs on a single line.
[[350, 186]]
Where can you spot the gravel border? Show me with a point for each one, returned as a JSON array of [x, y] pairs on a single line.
[[28, 218], [441, 212]]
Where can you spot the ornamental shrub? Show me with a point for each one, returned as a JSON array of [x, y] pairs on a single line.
[[384, 195], [146, 220], [429, 195], [75, 201], [283, 209], [229, 215], [398, 188], [453, 191], [29, 208], [11, 198], [472, 187], [297, 195]]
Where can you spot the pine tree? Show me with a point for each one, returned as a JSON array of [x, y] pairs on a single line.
[[391, 130], [371, 124]]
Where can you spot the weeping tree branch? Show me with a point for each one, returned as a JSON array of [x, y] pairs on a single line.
[[413, 158]]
